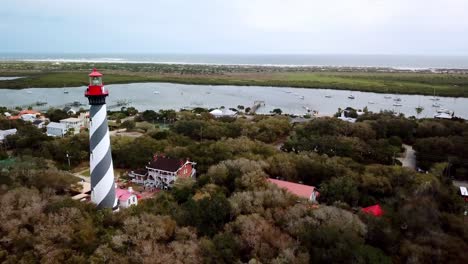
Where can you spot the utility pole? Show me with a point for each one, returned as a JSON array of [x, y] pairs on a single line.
[[68, 157]]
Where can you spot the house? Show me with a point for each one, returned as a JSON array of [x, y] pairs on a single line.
[[163, 171], [126, 197], [72, 123], [301, 190], [343, 117], [464, 193], [39, 123], [223, 113], [5, 133], [55, 129], [26, 115], [69, 110], [84, 117]]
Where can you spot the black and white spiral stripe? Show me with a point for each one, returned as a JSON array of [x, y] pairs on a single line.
[[102, 172]]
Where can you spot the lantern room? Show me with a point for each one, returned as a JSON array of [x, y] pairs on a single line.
[[96, 86], [95, 78]]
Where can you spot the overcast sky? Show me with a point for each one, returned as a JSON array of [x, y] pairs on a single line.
[[430, 27]]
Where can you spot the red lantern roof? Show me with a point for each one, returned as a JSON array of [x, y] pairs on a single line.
[[95, 73]]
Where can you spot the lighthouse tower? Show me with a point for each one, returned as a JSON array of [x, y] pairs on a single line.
[[101, 167]]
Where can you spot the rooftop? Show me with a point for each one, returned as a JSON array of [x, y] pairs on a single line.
[[301, 190], [57, 125], [123, 194], [165, 164], [70, 119]]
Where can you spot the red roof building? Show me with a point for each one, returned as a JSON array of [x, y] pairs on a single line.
[[126, 197], [301, 190], [374, 210]]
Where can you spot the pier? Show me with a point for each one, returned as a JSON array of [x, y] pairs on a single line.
[[257, 104]]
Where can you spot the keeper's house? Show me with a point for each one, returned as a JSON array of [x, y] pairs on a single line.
[[162, 172]]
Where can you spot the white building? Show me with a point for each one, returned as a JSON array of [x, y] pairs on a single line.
[[222, 113], [126, 197], [55, 129], [28, 117], [84, 117], [163, 171], [5, 133], [74, 123], [39, 123]]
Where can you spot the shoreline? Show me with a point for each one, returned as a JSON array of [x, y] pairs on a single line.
[[276, 65]]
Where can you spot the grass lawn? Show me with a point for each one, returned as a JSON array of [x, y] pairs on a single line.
[[86, 173]]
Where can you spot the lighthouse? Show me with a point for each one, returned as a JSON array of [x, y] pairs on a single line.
[[101, 167]]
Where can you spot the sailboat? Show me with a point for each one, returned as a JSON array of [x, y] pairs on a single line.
[[387, 96], [351, 97], [434, 97]]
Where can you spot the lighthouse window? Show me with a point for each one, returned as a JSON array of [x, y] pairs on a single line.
[[96, 81]]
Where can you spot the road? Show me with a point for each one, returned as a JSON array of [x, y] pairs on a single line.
[[409, 157]]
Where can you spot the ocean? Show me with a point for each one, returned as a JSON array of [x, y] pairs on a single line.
[[388, 61]]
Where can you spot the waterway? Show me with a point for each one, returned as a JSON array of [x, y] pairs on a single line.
[[157, 96]]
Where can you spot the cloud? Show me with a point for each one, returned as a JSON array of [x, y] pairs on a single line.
[[236, 26]]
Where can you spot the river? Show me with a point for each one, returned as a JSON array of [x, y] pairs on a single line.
[[157, 96]]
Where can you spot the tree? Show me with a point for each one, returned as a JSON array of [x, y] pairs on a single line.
[[128, 124], [55, 115], [277, 111]]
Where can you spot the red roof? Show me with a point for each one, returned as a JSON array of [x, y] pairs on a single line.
[[300, 190], [95, 73], [32, 112], [122, 194], [374, 210]]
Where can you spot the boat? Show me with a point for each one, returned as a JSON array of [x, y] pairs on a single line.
[[156, 92], [301, 97], [436, 105], [387, 97], [65, 92], [328, 96], [351, 97], [444, 110], [398, 99], [397, 104], [434, 97], [371, 102], [29, 92]]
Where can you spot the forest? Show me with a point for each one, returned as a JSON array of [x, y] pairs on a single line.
[[231, 213]]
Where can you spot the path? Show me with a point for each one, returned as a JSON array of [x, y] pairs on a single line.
[[409, 158], [78, 174]]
